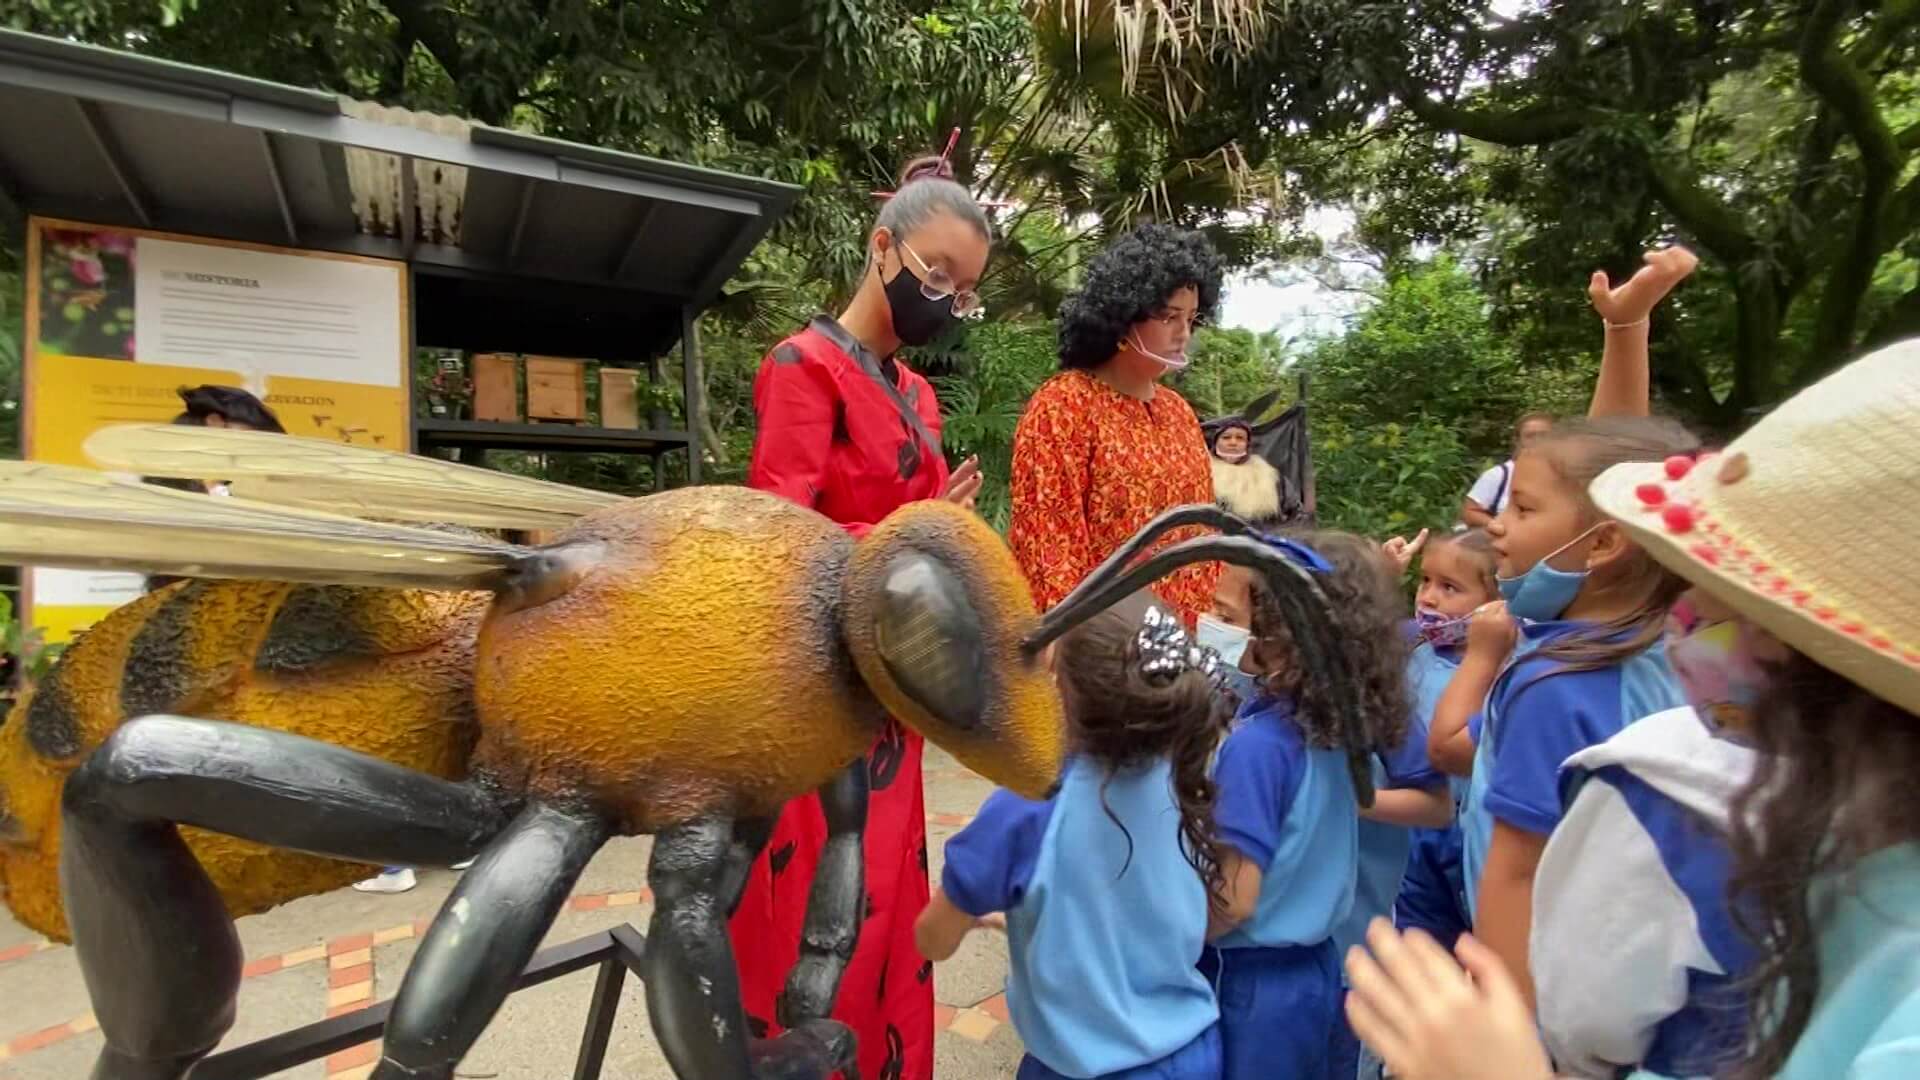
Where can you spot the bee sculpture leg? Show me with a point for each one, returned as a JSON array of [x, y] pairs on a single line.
[[693, 988], [484, 935], [156, 946], [750, 837]]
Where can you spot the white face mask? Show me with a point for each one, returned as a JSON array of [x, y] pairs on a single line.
[[1229, 641], [1172, 363]]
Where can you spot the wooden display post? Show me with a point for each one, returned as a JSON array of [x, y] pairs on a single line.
[[556, 389], [619, 398], [496, 387]]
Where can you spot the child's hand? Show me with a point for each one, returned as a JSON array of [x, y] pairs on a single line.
[[1402, 550], [1492, 631], [993, 920], [1431, 1020], [1631, 302]]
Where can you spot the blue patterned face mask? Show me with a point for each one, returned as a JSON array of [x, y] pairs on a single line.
[[1544, 593], [1442, 631]]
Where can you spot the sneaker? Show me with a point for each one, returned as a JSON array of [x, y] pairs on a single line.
[[394, 879], [461, 865]]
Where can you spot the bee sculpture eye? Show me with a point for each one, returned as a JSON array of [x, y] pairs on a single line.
[[930, 639]]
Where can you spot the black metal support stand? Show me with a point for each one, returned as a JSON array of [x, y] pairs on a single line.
[[614, 952]]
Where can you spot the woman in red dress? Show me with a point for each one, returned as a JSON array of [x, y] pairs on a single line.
[[1103, 447], [847, 429]]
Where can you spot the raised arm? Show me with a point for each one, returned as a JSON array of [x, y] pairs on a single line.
[[1624, 387]]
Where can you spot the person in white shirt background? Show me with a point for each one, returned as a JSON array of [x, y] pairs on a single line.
[[1489, 493]]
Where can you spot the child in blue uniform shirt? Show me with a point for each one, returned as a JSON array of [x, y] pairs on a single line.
[[1456, 579], [1801, 536], [1638, 957], [1415, 805], [1288, 818], [1586, 660], [1106, 885]]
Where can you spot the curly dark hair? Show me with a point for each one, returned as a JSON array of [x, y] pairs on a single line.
[[1120, 719], [1367, 612], [1833, 784], [1126, 283]]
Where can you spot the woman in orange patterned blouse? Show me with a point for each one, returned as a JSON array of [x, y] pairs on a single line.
[[1103, 448]]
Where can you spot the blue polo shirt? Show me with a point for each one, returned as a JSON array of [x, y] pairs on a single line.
[[1290, 809], [1537, 715], [1106, 919], [1384, 848]]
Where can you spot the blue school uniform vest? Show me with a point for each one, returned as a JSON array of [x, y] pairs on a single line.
[[1536, 716], [1105, 921], [1292, 810]]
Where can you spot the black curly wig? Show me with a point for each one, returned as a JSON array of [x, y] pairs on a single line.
[[1129, 281]]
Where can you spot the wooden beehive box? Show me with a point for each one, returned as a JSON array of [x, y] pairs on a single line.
[[496, 387], [619, 398], [556, 389]]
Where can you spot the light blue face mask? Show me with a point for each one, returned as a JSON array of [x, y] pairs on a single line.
[[1243, 686], [1543, 593], [1231, 643], [1227, 640]]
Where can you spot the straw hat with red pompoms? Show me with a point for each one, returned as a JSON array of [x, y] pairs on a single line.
[[1808, 524]]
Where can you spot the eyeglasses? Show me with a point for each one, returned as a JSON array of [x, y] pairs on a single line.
[[1193, 320], [935, 284]]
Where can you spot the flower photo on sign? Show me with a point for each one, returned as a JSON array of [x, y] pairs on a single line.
[[86, 294]]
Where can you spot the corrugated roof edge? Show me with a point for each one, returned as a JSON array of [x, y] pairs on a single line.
[[97, 61], [169, 74], [773, 195]]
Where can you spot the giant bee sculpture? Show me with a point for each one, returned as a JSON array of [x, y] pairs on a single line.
[[329, 691]]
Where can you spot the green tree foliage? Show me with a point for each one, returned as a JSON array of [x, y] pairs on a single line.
[[1391, 479], [1429, 348], [1526, 148], [1419, 395], [1782, 139], [1231, 367], [999, 366]]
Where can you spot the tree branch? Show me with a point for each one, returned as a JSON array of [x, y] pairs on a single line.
[[1836, 80], [1903, 214], [1894, 16], [1530, 126], [1721, 229], [1845, 88], [1811, 178]]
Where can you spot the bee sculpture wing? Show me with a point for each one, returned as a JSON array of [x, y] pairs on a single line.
[[336, 477], [58, 515]]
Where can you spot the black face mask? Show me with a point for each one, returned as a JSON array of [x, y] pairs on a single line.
[[916, 319]]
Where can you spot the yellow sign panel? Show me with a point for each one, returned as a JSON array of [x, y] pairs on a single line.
[[74, 396], [354, 413], [120, 320]]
